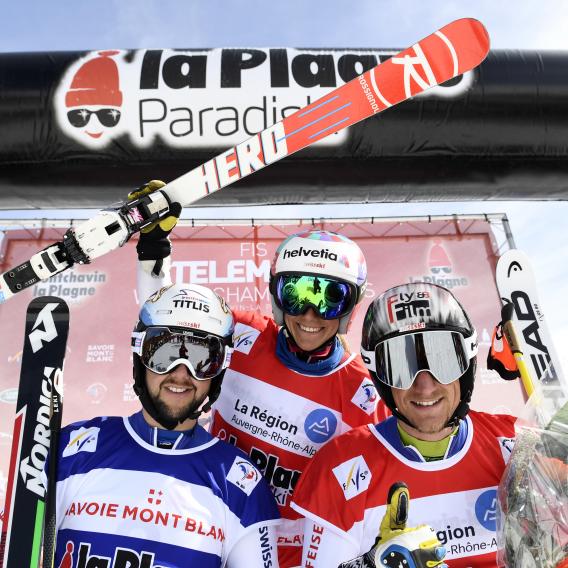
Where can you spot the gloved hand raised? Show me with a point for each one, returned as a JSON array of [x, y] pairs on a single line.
[[397, 545], [154, 243]]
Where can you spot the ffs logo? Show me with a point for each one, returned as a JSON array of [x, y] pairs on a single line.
[[353, 476], [366, 397], [244, 475]]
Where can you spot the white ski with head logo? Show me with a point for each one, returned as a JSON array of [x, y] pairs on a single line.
[[517, 284]]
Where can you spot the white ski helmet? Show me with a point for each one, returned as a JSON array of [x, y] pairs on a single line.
[[183, 324], [320, 253]]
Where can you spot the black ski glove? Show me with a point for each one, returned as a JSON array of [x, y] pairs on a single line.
[[154, 243]]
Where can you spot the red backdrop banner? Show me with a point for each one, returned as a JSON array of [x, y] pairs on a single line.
[[235, 261]]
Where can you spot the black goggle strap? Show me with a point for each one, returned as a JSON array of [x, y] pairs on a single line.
[[137, 343]]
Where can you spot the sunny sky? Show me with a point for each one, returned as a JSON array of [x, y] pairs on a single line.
[[35, 25]]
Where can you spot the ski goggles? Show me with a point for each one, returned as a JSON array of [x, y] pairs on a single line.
[[161, 349], [329, 298], [80, 117], [398, 360]]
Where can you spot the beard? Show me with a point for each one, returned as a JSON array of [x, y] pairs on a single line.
[[179, 414]]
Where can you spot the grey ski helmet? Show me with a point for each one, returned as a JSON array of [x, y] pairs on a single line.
[[414, 327]]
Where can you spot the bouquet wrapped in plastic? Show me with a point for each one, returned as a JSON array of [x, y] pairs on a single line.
[[532, 524]]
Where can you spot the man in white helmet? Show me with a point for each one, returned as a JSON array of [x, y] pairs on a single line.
[[291, 385], [155, 489], [420, 347]]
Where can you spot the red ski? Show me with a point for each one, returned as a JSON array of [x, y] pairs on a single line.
[[451, 51]]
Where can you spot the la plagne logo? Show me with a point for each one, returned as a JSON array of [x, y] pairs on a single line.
[[203, 98], [89, 101], [440, 269]]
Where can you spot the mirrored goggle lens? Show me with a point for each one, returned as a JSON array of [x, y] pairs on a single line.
[[80, 117], [163, 349], [442, 353], [329, 298]]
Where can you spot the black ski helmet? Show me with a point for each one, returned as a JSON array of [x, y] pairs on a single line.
[[416, 308], [180, 307]]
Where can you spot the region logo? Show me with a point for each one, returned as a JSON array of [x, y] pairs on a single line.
[[128, 394], [75, 285], [320, 425], [353, 476], [440, 269], [100, 353], [486, 509]]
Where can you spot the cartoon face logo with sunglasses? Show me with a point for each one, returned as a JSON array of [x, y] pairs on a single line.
[[93, 100]]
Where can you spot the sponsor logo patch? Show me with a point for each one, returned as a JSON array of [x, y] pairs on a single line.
[[82, 440], [121, 557], [244, 475], [244, 338], [366, 397], [403, 306], [353, 476], [506, 445]]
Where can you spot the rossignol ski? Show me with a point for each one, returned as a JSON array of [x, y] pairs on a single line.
[[39, 397], [517, 285], [452, 50]]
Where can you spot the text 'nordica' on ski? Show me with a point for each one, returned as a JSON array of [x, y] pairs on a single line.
[[38, 419], [452, 50]]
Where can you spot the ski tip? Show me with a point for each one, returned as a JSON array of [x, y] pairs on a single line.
[[42, 301], [480, 31], [473, 36]]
